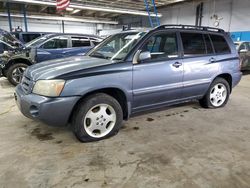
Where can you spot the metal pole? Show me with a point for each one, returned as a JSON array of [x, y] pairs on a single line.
[[25, 18], [9, 17], [63, 26]]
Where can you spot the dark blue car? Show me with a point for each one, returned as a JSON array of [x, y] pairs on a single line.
[[47, 47]]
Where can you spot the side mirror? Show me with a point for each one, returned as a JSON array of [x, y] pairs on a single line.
[[144, 56], [243, 50]]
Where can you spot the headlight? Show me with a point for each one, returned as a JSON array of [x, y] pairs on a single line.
[[50, 88]]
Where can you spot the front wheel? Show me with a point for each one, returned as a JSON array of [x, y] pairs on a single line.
[[218, 94], [15, 73], [97, 117]]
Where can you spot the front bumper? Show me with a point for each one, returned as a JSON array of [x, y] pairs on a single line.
[[52, 111]]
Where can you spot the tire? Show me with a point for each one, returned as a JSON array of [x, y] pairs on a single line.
[[90, 123], [17, 69], [217, 95]]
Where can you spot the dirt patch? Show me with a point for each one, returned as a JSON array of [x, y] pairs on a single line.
[[41, 136], [177, 113], [150, 119], [59, 142], [136, 128]]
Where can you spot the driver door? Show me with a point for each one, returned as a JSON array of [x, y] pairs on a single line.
[[159, 80], [54, 48]]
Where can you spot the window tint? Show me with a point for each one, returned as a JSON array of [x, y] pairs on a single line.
[[208, 45], [80, 41], [30, 37], [193, 44], [163, 45], [220, 44], [58, 42]]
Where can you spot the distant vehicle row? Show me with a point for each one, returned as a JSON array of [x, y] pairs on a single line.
[[243, 48], [16, 56]]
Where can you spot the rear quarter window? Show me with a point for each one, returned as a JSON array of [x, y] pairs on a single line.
[[220, 44]]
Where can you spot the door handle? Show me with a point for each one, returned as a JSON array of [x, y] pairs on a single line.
[[212, 60], [177, 64]]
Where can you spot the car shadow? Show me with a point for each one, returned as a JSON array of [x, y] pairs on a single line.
[[4, 83], [191, 104], [246, 72]]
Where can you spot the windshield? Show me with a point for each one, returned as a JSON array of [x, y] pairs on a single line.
[[37, 41], [9, 39], [117, 46]]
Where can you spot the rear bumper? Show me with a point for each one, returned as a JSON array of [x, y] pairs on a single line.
[[236, 78], [52, 111]]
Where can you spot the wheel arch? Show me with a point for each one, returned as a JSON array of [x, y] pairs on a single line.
[[228, 77], [117, 93], [17, 60]]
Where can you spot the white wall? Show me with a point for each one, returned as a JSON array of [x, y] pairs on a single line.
[[53, 26], [235, 14]]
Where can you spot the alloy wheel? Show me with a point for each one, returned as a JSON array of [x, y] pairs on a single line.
[[218, 94], [100, 120]]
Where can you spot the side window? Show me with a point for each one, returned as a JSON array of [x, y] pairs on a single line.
[[57, 42], [242, 47], [162, 45], [193, 44], [208, 45], [80, 42], [220, 44]]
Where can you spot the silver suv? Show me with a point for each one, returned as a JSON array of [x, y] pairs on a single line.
[[131, 72]]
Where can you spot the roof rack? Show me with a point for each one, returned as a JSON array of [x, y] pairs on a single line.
[[203, 28]]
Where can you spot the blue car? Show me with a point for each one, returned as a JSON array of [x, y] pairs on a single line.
[[47, 47], [128, 73]]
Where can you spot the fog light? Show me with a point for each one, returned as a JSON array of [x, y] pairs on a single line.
[[34, 111]]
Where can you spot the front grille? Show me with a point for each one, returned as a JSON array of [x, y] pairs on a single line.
[[26, 84]]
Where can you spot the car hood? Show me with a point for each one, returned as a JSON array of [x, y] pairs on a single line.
[[55, 68]]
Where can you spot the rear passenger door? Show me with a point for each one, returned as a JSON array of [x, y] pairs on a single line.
[[53, 48], [199, 63]]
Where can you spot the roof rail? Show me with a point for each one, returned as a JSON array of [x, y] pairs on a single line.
[[203, 28]]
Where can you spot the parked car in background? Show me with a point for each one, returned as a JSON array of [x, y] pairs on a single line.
[[8, 43], [128, 73], [47, 47], [243, 48]]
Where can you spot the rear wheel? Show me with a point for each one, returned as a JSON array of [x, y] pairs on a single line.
[[15, 73], [97, 117], [218, 94]]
